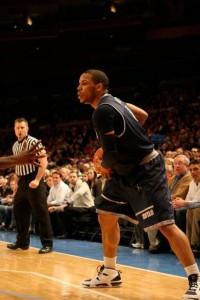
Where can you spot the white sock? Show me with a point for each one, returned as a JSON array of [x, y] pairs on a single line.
[[192, 269], [110, 262]]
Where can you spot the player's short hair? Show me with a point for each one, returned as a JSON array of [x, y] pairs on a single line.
[[99, 76]]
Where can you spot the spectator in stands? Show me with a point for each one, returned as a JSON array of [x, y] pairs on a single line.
[[59, 192], [80, 199], [179, 186], [65, 172], [139, 237], [58, 195], [192, 200], [95, 183], [169, 166], [49, 182], [4, 187], [6, 207], [195, 153]]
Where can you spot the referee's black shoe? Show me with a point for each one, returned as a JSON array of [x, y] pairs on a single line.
[[45, 249], [15, 246]]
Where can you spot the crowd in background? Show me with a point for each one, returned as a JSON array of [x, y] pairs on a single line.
[[173, 122], [173, 125], [73, 186]]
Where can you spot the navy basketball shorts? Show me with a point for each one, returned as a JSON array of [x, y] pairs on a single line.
[[141, 197]]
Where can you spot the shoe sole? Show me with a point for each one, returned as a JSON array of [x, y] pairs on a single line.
[[45, 252], [102, 285], [190, 298], [18, 248]]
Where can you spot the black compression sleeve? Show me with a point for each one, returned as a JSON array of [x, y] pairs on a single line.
[[104, 121], [110, 150]]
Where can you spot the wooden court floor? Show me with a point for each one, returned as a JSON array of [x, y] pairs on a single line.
[[25, 274]]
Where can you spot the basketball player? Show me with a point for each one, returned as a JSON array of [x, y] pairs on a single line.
[[137, 188]]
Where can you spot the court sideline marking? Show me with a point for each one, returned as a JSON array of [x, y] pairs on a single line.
[[60, 282]]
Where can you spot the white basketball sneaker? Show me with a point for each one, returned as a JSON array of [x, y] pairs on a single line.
[[193, 292], [106, 277]]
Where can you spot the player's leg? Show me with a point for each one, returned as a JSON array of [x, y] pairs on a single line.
[[110, 234], [179, 243], [110, 206], [107, 275], [159, 213], [181, 247]]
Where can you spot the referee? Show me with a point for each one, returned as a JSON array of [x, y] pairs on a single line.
[[31, 193]]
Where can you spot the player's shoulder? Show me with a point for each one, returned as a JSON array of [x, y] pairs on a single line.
[[104, 108], [103, 113]]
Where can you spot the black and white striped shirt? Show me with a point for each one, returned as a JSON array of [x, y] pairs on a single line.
[[19, 146]]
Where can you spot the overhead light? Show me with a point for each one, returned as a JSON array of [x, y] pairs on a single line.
[[29, 21], [113, 8]]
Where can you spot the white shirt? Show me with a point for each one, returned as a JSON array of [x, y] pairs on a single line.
[[81, 196], [193, 194], [58, 194]]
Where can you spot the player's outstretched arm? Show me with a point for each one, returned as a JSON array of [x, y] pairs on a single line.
[[25, 157]]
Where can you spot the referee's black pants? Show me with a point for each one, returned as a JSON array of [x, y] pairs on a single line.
[[26, 201]]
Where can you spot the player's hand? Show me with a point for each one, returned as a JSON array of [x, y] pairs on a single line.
[[32, 155], [97, 160]]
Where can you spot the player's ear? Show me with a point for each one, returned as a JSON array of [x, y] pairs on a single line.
[[100, 86]]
